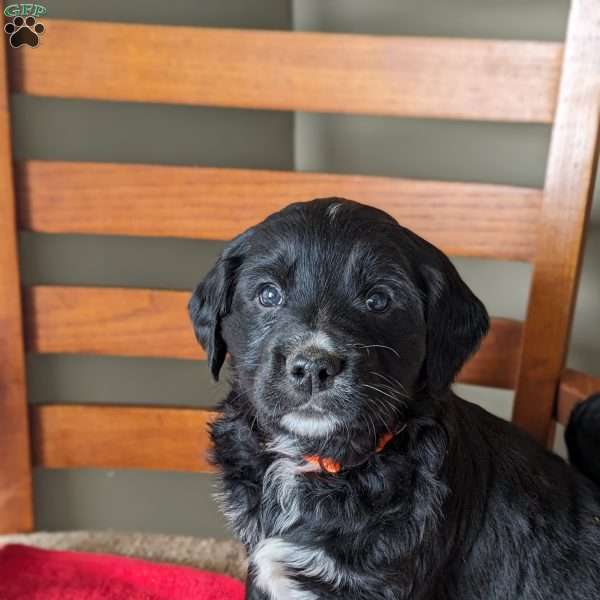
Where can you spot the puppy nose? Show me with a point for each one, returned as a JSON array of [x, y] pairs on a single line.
[[315, 371]]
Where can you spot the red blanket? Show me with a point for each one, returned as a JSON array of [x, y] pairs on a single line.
[[33, 574]]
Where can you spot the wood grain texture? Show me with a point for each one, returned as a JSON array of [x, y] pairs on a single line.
[[574, 387], [463, 219], [120, 437], [567, 199], [16, 513], [152, 323], [320, 72], [109, 321]]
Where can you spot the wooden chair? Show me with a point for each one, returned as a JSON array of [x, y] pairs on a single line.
[[511, 81]]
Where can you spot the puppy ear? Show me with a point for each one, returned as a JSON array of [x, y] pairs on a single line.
[[456, 319], [211, 301]]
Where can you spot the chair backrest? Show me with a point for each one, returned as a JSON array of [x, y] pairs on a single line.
[[510, 81]]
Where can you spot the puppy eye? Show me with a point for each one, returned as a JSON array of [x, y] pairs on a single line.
[[378, 301], [270, 295]]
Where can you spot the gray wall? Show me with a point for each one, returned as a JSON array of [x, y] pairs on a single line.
[[118, 132]]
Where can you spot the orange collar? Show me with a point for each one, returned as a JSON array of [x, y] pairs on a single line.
[[331, 466]]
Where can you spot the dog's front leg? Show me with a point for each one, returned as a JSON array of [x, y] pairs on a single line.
[[239, 456]]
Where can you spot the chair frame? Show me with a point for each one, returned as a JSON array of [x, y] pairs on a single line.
[[534, 81]]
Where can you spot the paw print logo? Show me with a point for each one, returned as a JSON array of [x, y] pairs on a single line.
[[24, 31]]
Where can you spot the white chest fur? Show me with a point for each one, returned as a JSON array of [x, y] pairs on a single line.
[[272, 561], [275, 560]]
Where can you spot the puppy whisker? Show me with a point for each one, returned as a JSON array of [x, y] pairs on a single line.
[[371, 427], [389, 379], [388, 414], [376, 389], [394, 391], [366, 347]]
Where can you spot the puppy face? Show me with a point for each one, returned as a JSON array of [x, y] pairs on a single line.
[[334, 317]]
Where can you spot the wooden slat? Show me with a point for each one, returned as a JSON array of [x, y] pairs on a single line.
[[322, 72], [109, 321], [120, 437], [574, 388], [568, 189], [496, 364], [134, 322], [16, 513], [463, 219], [74, 436]]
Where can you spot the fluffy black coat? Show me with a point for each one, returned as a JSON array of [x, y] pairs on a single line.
[[459, 505]]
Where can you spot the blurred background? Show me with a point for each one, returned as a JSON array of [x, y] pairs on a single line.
[[179, 135]]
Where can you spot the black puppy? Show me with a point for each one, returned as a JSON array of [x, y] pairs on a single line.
[[348, 467]]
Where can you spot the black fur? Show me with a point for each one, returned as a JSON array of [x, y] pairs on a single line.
[[583, 437], [460, 505]]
